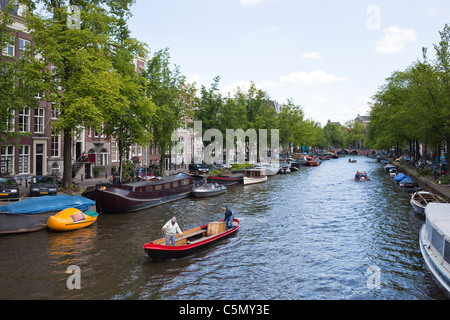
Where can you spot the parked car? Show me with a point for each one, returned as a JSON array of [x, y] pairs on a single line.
[[9, 190], [43, 186], [219, 166], [198, 168]]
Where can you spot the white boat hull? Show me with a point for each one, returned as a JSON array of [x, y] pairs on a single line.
[[434, 263], [248, 181]]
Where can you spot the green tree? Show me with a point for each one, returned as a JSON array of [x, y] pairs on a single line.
[[84, 85], [334, 136], [168, 90]]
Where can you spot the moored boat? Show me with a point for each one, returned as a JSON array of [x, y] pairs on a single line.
[[228, 179], [421, 199], [146, 194], [208, 190], [32, 214], [71, 219], [191, 241], [284, 168], [312, 162], [434, 243], [255, 175]]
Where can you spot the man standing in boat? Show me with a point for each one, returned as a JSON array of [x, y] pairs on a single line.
[[228, 217], [171, 229]]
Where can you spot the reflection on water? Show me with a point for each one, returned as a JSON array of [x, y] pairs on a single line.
[[312, 234]]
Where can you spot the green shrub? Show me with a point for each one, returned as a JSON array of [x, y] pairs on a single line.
[[444, 179], [424, 172]]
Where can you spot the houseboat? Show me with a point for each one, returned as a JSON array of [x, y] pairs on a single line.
[[146, 194], [435, 243]]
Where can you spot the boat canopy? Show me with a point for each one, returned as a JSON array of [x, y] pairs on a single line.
[[400, 177], [48, 203], [407, 180]]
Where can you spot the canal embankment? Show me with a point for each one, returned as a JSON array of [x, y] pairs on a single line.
[[427, 182]]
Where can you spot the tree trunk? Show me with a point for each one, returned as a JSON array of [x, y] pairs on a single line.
[[67, 174]]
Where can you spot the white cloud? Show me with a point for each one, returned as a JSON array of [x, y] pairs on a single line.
[[312, 55], [195, 78], [243, 85], [314, 77], [395, 40], [247, 3], [317, 98]]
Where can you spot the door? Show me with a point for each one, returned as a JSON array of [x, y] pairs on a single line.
[[39, 158]]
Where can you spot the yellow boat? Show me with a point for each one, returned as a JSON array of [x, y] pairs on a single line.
[[71, 219]]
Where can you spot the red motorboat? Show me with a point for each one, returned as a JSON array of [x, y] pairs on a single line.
[[312, 162], [192, 240]]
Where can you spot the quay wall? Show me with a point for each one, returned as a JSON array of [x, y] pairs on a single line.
[[426, 183]]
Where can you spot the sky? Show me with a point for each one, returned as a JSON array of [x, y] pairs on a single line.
[[329, 56]]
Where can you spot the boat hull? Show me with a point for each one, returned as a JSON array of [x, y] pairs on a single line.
[[205, 194], [434, 263], [163, 252], [32, 214], [312, 163], [112, 201], [71, 219], [11, 223], [227, 180], [248, 181], [144, 195]]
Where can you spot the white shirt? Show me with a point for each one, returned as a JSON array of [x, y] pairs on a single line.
[[171, 230]]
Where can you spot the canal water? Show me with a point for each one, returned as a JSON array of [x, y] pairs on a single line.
[[315, 234]]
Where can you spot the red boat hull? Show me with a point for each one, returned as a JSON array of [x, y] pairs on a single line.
[[163, 252]]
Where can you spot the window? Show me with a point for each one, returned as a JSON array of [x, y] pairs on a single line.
[[24, 159], [55, 146], [24, 120], [39, 120], [114, 152], [9, 123], [103, 158], [7, 160], [437, 241], [55, 111], [447, 251], [23, 46], [9, 50]]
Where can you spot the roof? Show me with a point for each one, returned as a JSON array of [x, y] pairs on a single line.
[[438, 214]]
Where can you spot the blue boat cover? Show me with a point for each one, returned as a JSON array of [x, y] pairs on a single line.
[[48, 203], [407, 180], [400, 177]]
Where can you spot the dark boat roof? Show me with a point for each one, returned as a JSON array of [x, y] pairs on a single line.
[[176, 177]]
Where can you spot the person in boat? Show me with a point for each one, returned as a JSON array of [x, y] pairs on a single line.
[[228, 217], [357, 176], [171, 229]]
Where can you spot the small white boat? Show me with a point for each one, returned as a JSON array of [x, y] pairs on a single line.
[[393, 172], [285, 168], [421, 199], [434, 242], [271, 169], [255, 175], [208, 190]]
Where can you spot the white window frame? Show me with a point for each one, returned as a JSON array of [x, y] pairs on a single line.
[[39, 120], [24, 159]]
